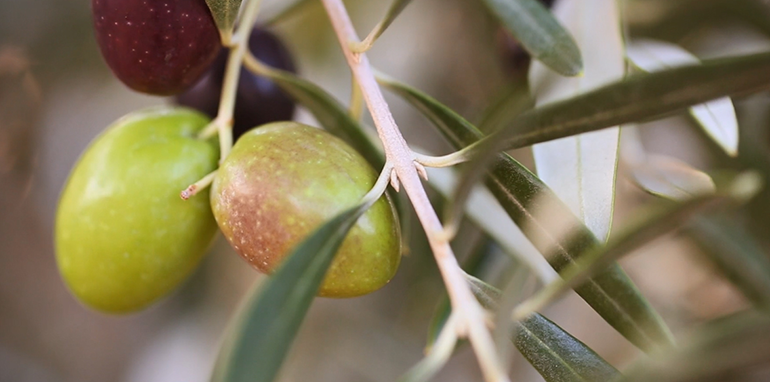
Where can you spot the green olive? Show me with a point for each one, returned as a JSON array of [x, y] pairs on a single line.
[[124, 237], [281, 182]]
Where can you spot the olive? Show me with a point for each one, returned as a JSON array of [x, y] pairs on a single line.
[[156, 47], [124, 237], [282, 181]]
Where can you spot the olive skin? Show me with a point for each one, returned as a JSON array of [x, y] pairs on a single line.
[[153, 46], [258, 100], [281, 182], [124, 237]]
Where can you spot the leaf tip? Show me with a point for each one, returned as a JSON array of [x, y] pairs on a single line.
[[568, 68]]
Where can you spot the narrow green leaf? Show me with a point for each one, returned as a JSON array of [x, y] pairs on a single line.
[[557, 355], [737, 254], [554, 353], [225, 12], [717, 117], [581, 169], [539, 33], [393, 11], [275, 310], [640, 97], [329, 113], [637, 98], [611, 293]]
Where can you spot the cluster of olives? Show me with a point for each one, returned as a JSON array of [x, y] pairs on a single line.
[[125, 238]]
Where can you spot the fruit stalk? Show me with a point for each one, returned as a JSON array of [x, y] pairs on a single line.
[[238, 44], [471, 316]]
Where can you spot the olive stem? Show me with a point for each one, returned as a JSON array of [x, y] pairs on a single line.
[[256, 67], [448, 160], [196, 187], [223, 123], [470, 314]]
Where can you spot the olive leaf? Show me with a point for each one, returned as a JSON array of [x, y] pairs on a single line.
[[557, 355], [639, 97], [260, 338], [225, 13], [581, 169], [539, 33], [717, 117], [611, 293], [552, 351]]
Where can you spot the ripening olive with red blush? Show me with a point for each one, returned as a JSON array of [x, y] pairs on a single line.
[[159, 47], [258, 100], [284, 180]]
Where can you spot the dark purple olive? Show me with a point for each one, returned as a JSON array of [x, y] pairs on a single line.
[[160, 47], [515, 59], [259, 100]]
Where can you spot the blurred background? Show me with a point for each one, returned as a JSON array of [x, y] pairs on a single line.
[[56, 94]]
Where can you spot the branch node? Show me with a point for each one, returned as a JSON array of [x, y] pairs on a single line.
[[394, 182], [448, 233], [461, 326], [356, 57], [421, 170]]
